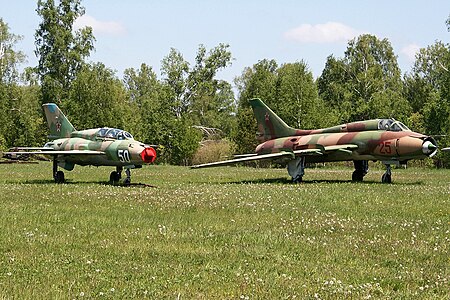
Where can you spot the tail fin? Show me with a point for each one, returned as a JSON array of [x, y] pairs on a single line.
[[58, 124], [270, 126]]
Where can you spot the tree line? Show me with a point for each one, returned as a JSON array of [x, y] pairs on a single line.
[[169, 109]]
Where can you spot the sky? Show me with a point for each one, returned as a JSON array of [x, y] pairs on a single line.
[[132, 32]]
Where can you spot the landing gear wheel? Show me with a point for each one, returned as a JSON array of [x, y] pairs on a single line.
[[297, 179], [357, 176], [114, 177], [59, 177], [386, 178], [361, 170], [127, 180]]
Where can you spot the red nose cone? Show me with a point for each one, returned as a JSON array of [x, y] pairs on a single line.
[[148, 155]]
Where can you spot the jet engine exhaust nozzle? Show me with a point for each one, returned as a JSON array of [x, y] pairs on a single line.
[[148, 155]]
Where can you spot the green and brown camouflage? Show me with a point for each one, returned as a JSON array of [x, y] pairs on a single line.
[[97, 147], [271, 126], [58, 124], [384, 140]]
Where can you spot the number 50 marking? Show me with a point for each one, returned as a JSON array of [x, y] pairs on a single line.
[[124, 155], [385, 147]]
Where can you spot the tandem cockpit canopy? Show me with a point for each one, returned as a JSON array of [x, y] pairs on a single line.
[[114, 133], [392, 125]]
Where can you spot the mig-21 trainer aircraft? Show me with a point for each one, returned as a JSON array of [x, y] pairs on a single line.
[[96, 147], [385, 140]]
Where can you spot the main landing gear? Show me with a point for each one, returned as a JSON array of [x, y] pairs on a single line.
[[115, 176], [361, 169], [58, 176], [296, 168]]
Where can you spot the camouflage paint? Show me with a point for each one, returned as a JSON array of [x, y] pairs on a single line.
[[386, 140], [58, 124], [127, 153], [373, 143]]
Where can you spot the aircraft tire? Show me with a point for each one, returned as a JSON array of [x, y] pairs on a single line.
[[114, 177], [386, 178], [357, 176], [298, 179], [59, 177]]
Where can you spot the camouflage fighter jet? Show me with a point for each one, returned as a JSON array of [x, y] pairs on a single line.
[[385, 140], [96, 147]]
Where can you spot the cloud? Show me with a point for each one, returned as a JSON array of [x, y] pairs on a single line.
[[410, 51], [330, 32], [100, 27]]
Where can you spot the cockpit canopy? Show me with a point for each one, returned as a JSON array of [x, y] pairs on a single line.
[[114, 133], [392, 125]]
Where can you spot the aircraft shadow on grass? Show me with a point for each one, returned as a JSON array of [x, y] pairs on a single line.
[[284, 180], [82, 183]]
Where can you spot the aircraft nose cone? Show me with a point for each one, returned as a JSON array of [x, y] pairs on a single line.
[[148, 155], [429, 148]]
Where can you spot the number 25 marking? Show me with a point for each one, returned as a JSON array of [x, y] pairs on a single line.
[[385, 147], [124, 155]]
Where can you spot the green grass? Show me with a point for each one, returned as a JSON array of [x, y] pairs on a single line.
[[224, 233]]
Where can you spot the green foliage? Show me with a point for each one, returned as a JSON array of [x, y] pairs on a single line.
[[182, 142], [97, 98], [213, 150], [361, 85], [427, 87], [297, 100], [146, 99], [208, 101], [9, 57], [167, 109], [61, 50], [289, 90], [20, 114]]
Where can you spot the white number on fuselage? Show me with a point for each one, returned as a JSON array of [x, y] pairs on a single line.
[[124, 155]]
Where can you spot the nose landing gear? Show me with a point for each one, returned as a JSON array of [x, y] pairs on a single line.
[[386, 178], [115, 176]]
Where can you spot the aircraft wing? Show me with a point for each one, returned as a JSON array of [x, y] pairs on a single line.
[[446, 149], [57, 152], [318, 150], [246, 158], [22, 149]]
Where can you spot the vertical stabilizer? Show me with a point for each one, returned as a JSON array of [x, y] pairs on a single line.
[[58, 124], [270, 126]]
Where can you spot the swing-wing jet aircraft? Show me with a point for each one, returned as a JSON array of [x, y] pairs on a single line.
[[385, 140], [96, 147]]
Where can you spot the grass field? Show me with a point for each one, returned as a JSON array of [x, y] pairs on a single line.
[[224, 233]]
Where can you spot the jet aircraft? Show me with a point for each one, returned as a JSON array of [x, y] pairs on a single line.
[[96, 147], [385, 140]]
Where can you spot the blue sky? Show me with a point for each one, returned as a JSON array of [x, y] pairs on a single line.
[[132, 32]]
